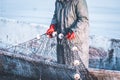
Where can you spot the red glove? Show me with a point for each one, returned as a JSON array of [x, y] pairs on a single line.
[[50, 30], [70, 36]]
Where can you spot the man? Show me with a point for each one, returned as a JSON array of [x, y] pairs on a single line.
[[70, 20]]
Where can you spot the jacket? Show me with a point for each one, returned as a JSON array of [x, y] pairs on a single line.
[[69, 14], [72, 14]]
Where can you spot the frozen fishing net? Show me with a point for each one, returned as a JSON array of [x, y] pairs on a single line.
[[46, 47], [40, 46], [72, 57]]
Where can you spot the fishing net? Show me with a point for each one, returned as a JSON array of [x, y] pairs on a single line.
[[44, 47]]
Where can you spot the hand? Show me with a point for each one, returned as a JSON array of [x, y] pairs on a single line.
[[50, 30], [70, 35]]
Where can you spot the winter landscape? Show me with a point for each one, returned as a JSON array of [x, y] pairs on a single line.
[[21, 21]]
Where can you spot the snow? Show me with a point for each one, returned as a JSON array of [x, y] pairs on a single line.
[[100, 42], [14, 32]]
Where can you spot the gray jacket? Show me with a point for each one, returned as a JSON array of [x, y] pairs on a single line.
[[69, 14], [72, 14]]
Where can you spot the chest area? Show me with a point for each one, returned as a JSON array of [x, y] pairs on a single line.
[[66, 6]]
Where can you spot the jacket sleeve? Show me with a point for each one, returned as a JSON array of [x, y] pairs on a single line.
[[54, 19], [82, 15]]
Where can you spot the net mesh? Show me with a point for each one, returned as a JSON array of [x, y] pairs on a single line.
[[42, 47], [46, 47]]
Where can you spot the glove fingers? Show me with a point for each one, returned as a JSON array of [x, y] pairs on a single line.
[[72, 36], [50, 31], [68, 35]]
